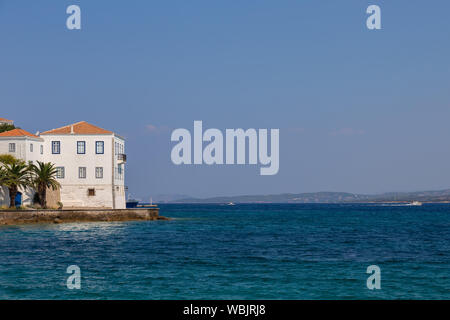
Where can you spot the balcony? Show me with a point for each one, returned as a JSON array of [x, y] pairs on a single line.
[[121, 158]]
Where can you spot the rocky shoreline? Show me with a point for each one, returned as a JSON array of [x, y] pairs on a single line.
[[17, 217]]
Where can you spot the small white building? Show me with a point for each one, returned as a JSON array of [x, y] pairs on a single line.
[[90, 162], [22, 145], [5, 121]]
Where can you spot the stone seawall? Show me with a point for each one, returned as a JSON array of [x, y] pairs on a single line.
[[15, 217]]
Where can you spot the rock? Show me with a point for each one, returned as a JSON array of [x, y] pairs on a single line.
[[8, 217]]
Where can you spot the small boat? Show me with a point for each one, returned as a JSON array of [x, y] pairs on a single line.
[[415, 203], [132, 203], [230, 204], [147, 205]]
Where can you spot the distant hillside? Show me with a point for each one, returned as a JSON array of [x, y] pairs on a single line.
[[164, 198], [423, 196], [328, 197]]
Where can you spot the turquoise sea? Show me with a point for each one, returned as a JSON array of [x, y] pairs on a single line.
[[251, 251]]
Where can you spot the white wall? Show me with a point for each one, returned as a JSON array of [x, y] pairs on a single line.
[[119, 178], [74, 190], [109, 190], [20, 143], [34, 155], [4, 197], [23, 152], [71, 161]]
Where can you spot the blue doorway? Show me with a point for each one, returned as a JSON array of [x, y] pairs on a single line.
[[18, 202]]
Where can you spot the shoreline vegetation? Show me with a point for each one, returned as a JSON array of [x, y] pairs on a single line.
[[17, 176]]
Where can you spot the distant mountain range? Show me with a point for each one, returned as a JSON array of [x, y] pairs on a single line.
[[164, 198], [327, 197]]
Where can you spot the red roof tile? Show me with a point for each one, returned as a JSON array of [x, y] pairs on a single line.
[[17, 133], [78, 128]]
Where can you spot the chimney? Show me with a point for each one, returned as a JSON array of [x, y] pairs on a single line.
[[71, 129], [37, 133]]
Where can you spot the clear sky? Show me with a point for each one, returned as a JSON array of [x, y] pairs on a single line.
[[358, 110]]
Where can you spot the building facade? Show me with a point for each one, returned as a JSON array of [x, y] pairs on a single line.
[[90, 163], [6, 121], [22, 145]]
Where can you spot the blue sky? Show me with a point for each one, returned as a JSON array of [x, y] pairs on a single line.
[[358, 110]]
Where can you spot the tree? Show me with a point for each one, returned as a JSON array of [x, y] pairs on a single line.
[[43, 177], [2, 176], [17, 176], [6, 127], [8, 159], [5, 159]]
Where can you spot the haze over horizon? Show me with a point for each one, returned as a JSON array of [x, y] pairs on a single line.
[[174, 197], [359, 111]]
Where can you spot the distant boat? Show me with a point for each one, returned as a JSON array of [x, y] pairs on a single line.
[[147, 205], [415, 203], [230, 204], [132, 203]]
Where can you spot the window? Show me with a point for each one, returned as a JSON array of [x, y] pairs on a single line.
[[12, 147], [56, 147], [42, 149], [118, 172], [31, 147], [99, 147], [91, 192], [60, 172], [82, 172], [99, 172], [81, 147]]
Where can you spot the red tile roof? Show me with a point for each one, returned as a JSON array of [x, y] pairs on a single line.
[[17, 133], [78, 128], [6, 120]]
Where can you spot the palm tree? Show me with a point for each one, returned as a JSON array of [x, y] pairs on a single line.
[[43, 177], [17, 176], [2, 176], [8, 159]]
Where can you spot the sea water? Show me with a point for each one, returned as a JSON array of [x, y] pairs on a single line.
[[246, 251]]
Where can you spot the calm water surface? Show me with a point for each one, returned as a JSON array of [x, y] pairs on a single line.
[[236, 252]]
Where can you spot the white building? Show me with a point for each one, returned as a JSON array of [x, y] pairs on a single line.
[[90, 162], [5, 121], [22, 145]]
